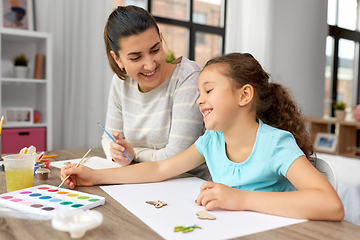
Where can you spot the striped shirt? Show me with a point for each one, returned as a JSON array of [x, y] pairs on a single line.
[[159, 123]]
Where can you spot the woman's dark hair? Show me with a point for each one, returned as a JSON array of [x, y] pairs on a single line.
[[125, 22], [274, 104]]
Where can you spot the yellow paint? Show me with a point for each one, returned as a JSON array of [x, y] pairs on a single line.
[[17, 178], [73, 195]]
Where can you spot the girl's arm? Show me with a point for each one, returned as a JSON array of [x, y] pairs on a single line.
[[314, 199], [137, 173]]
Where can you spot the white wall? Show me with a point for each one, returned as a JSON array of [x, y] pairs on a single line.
[[290, 38]]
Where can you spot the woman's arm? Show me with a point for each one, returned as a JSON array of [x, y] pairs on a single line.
[[137, 173], [114, 119], [314, 199]]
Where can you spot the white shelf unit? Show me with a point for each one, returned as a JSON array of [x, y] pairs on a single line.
[[27, 92]]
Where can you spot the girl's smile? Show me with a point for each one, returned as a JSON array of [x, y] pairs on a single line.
[[218, 100], [206, 112]]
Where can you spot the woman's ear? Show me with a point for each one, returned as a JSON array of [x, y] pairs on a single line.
[[117, 60], [246, 94]]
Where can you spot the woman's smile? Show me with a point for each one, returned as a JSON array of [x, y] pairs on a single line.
[[149, 74]]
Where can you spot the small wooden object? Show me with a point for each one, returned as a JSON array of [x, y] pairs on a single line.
[[205, 215], [157, 204]]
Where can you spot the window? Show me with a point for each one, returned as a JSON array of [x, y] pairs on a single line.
[[191, 28], [200, 36], [342, 78]]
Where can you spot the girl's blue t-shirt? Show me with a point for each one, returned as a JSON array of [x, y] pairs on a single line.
[[266, 167]]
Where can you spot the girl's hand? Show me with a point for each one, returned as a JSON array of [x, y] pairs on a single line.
[[217, 195], [117, 149], [80, 176]]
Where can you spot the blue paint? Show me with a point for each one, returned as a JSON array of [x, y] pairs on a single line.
[[45, 197], [35, 195]]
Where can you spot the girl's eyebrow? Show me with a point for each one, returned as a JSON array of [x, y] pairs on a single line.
[[205, 83], [137, 53], [208, 82]]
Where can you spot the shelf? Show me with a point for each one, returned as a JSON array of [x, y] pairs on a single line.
[[22, 125], [346, 132], [30, 93], [332, 120], [22, 80], [22, 36]]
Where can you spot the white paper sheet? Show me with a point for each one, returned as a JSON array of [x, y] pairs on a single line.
[[181, 209], [93, 162]]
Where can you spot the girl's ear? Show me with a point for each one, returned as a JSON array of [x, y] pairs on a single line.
[[117, 60], [246, 94]]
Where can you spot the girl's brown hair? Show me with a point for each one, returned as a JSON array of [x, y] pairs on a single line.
[[274, 105], [125, 22]]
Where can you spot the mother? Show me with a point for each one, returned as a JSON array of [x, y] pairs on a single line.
[[152, 111]]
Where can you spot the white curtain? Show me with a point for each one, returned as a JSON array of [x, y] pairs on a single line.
[[81, 74], [248, 28]]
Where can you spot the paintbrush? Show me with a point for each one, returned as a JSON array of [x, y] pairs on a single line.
[[112, 138], [83, 158]]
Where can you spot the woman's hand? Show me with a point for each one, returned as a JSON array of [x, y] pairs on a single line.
[[80, 176], [217, 195], [117, 149]]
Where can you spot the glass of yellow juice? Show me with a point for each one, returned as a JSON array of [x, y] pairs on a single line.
[[19, 171]]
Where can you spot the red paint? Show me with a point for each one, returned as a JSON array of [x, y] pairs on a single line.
[[47, 163], [6, 197]]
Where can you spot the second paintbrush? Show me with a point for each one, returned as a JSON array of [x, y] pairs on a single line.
[[112, 138]]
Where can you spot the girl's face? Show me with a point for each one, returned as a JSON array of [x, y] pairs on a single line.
[[218, 100], [143, 58]]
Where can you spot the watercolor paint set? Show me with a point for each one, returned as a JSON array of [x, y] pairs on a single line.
[[48, 200]]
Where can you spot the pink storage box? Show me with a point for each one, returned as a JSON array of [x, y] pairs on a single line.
[[14, 139]]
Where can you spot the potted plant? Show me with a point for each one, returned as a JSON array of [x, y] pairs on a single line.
[[169, 56], [339, 109], [20, 66]]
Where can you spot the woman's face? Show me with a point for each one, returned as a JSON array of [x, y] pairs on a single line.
[[143, 58]]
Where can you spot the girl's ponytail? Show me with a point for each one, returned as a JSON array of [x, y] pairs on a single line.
[[277, 108]]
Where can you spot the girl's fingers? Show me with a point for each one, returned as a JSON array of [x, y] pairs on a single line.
[[207, 185], [211, 205], [200, 201], [206, 199]]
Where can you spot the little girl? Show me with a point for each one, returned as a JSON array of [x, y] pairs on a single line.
[[256, 147]]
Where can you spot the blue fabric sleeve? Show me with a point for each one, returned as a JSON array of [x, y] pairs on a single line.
[[287, 152], [202, 142]]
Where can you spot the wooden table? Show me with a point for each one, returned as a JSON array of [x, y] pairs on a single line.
[[119, 223]]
